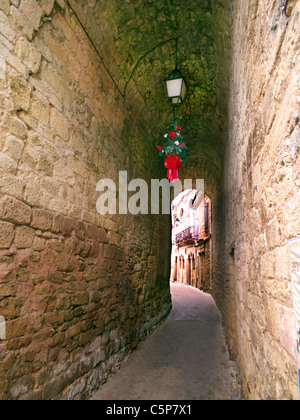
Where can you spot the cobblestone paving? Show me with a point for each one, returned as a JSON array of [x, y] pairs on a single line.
[[185, 359]]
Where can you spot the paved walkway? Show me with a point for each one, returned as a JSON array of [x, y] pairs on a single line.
[[185, 359]]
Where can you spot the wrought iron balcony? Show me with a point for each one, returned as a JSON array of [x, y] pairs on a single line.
[[187, 236]]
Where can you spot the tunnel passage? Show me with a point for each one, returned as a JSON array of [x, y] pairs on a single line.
[[79, 290]]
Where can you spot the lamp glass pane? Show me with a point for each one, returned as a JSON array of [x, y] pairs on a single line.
[[174, 87]]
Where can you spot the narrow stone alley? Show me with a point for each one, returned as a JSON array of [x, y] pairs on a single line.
[[184, 359], [109, 111]]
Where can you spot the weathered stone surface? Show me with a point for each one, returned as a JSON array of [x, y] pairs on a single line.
[[64, 225], [24, 237], [29, 56], [4, 6], [261, 172], [59, 124], [58, 138], [7, 290], [42, 219], [27, 17], [6, 28], [6, 235], [40, 110], [14, 211], [13, 147], [15, 126], [16, 328], [20, 92], [12, 185], [7, 164]]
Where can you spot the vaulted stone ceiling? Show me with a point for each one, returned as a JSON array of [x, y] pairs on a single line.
[[123, 31]]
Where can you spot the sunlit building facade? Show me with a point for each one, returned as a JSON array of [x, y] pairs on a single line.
[[191, 240]]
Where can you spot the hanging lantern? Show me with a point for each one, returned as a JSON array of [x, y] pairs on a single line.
[[173, 151], [176, 87]]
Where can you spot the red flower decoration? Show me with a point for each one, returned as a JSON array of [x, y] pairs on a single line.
[[172, 134], [178, 128], [159, 147], [173, 163], [182, 145]]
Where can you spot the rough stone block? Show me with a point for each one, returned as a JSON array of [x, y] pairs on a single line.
[[12, 185], [4, 6], [15, 126], [27, 17], [18, 343], [30, 156], [10, 308], [50, 76], [55, 318], [102, 235], [42, 219], [94, 250], [40, 110], [57, 245], [7, 290], [16, 328], [64, 225], [59, 124], [28, 120], [63, 263], [46, 6], [35, 196], [56, 277], [14, 211], [6, 29], [13, 147], [45, 164], [80, 230], [28, 55], [59, 205], [20, 92], [73, 331], [39, 244], [12, 60], [24, 237], [7, 164], [6, 235]]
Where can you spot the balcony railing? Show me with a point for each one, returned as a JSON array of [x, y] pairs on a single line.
[[189, 235]]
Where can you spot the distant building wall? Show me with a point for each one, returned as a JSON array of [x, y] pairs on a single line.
[[191, 253]]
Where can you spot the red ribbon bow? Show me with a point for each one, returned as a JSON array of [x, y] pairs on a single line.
[[173, 163]]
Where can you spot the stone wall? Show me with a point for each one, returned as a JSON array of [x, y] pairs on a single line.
[[78, 290], [260, 200]]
